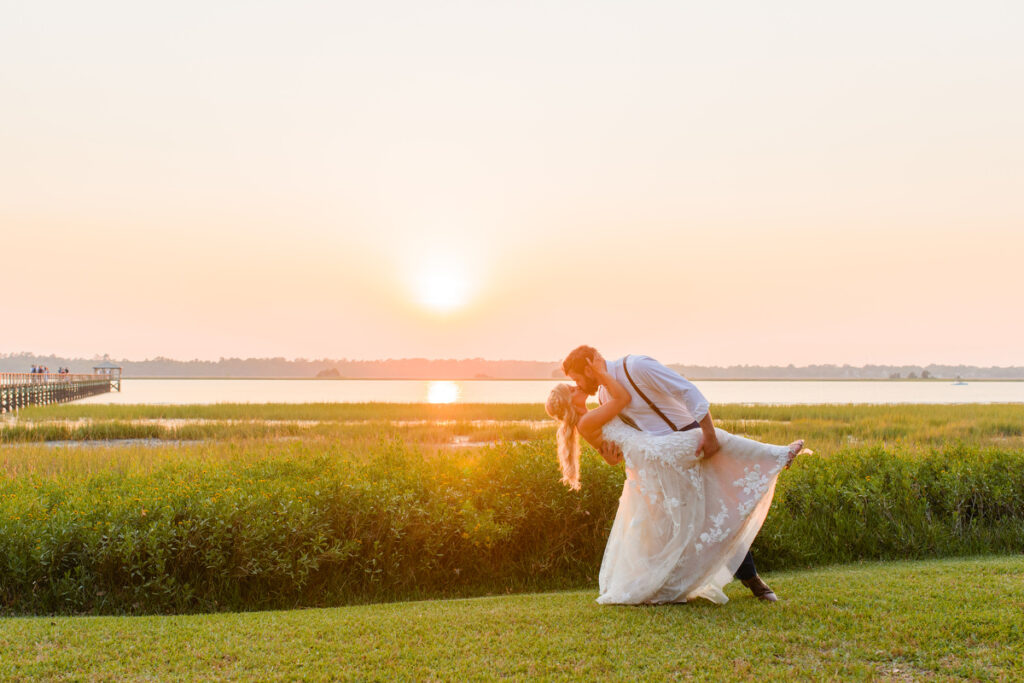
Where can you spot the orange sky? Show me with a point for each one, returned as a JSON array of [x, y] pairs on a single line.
[[711, 186]]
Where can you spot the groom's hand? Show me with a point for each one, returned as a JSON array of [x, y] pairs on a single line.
[[710, 447], [611, 453]]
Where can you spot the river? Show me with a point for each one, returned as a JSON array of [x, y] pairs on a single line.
[[204, 391]]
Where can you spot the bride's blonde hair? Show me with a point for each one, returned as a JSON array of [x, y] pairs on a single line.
[[559, 406]]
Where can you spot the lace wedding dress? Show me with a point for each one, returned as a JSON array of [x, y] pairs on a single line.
[[684, 524]]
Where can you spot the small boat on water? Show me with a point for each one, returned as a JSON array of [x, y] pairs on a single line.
[[959, 382]]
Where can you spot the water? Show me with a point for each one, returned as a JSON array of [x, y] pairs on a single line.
[[199, 391]]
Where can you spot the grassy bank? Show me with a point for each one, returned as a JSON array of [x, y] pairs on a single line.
[[934, 620]]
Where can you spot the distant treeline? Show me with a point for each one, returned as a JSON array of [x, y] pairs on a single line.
[[478, 368]]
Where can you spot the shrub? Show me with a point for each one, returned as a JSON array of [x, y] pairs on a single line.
[[271, 525]]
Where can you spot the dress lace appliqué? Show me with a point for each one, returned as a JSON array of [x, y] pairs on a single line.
[[684, 521]]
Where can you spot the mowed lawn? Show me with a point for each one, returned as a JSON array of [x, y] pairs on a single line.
[[930, 620]]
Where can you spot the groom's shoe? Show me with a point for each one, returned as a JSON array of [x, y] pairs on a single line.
[[760, 589]]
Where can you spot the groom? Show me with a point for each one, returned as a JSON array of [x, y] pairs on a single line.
[[663, 401]]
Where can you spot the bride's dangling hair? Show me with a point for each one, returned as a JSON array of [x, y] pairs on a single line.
[[559, 406]]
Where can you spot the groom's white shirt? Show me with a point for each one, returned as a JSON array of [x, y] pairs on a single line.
[[674, 395]]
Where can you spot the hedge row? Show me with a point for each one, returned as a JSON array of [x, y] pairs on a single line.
[[392, 522]]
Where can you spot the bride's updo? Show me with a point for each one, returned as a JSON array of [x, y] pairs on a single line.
[[559, 406]]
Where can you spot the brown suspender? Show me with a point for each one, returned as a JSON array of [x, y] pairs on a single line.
[[629, 421], [662, 415]]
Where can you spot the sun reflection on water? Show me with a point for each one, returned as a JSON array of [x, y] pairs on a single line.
[[442, 392]]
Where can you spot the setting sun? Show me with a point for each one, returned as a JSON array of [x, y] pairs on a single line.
[[442, 288]]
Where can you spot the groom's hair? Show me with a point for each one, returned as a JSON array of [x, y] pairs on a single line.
[[578, 358]]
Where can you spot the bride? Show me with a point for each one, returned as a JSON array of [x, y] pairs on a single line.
[[684, 521]]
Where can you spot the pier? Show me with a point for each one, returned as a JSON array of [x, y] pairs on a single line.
[[22, 389]]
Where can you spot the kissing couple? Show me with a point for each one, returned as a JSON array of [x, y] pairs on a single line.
[[695, 496]]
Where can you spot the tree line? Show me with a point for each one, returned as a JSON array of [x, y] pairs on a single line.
[[478, 368]]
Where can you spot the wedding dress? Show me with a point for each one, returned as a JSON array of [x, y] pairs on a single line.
[[684, 523]]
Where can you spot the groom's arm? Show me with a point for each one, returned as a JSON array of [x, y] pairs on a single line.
[[651, 372], [687, 393], [707, 427]]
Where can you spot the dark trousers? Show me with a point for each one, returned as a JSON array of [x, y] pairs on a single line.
[[746, 570]]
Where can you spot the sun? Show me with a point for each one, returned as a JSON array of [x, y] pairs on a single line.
[[442, 288]]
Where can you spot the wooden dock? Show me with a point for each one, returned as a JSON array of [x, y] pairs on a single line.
[[22, 389]]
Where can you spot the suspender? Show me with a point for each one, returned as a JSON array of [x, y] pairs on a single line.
[[631, 423]]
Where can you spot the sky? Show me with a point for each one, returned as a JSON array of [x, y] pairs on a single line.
[[707, 183]]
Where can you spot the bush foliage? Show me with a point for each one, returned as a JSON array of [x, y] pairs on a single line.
[[254, 524]]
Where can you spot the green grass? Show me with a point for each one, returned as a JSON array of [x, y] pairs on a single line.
[[270, 506], [932, 620]]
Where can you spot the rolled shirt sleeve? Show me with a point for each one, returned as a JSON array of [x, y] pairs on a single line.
[[671, 382]]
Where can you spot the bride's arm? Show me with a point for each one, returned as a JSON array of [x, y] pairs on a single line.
[[594, 439], [590, 424]]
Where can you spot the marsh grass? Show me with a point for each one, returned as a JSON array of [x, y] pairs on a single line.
[[827, 427], [423, 432], [291, 411]]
